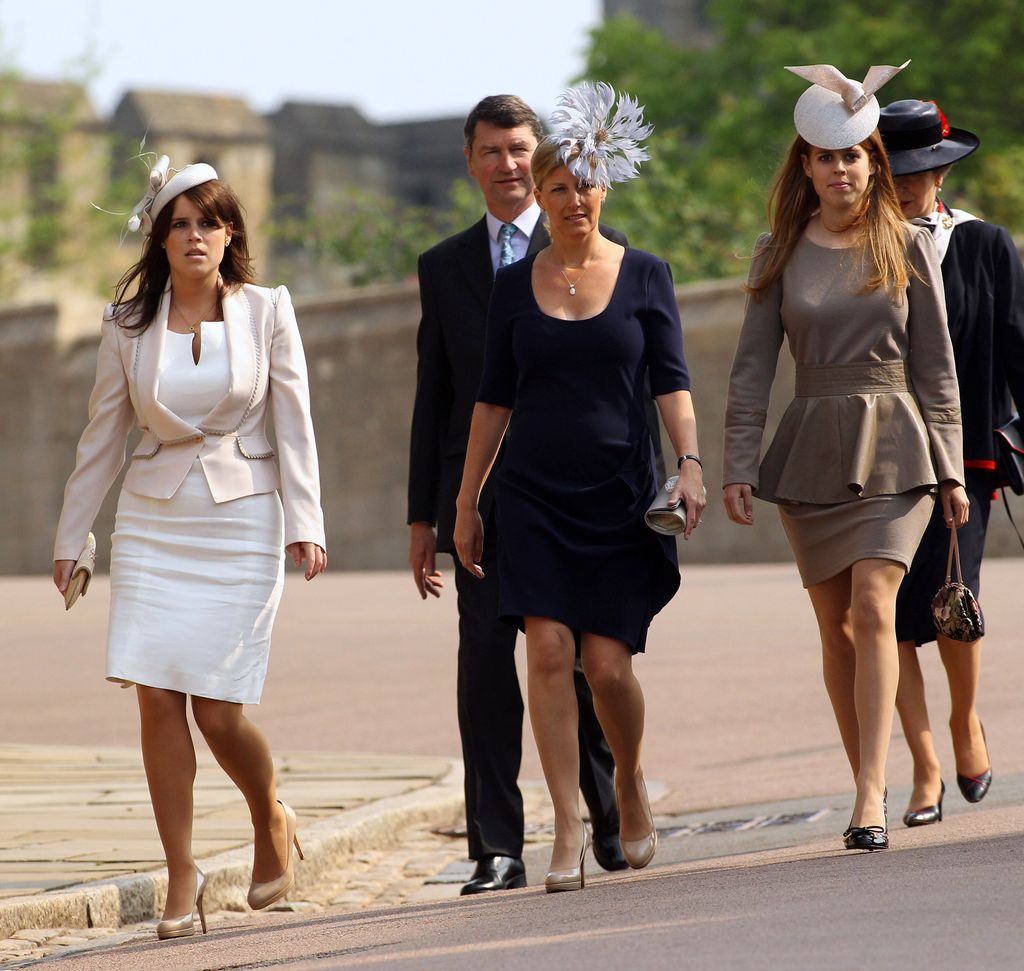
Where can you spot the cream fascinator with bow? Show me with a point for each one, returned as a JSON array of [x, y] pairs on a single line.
[[837, 112], [162, 189]]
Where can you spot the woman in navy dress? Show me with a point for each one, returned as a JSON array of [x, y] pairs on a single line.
[[983, 282], [571, 334]]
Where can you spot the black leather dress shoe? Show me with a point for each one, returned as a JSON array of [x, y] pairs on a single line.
[[930, 814], [496, 873], [608, 852]]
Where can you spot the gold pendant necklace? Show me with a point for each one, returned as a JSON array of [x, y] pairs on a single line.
[[196, 328]]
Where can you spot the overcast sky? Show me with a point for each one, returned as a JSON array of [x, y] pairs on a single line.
[[393, 60]]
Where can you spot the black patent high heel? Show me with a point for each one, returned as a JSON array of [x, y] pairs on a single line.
[[930, 814], [869, 837]]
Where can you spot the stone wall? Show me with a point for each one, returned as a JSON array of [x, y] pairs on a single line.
[[362, 360]]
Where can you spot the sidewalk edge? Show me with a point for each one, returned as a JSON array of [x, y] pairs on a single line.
[[327, 845]]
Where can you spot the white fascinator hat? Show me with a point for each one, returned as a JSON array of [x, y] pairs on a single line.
[[835, 111], [164, 187], [598, 137]]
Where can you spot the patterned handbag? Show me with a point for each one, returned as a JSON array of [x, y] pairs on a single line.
[[955, 610]]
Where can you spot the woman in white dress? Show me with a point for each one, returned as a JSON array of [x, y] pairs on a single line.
[[196, 353]]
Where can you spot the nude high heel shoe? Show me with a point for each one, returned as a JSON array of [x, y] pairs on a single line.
[[573, 878], [185, 926], [639, 853], [264, 894]]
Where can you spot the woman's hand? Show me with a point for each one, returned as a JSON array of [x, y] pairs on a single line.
[[315, 557], [469, 538], [689, 489], [739, 503], [955, 505], [62, 570]]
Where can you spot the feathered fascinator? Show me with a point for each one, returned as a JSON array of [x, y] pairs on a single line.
[[836, 112], [162, 189], [597, 145]]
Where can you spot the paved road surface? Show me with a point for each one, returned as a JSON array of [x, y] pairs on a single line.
[[736, 712], [737, 718], [947, 906]]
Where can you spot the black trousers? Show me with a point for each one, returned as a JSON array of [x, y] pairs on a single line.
[[491, 725]]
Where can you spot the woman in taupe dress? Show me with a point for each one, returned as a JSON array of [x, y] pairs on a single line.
[[874, 426]]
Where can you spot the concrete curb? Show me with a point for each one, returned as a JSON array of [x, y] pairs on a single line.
[[327, 844]]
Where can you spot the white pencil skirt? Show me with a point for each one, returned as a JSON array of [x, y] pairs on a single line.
[[195, 587]]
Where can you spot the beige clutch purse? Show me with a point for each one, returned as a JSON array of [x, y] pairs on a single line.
[[663, 518], [81, 574]]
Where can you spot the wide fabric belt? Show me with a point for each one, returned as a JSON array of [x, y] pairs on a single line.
[[872, 377]]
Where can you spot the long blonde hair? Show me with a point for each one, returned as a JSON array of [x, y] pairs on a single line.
[[793, 201]]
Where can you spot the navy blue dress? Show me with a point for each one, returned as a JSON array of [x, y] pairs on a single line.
[[578, 469]]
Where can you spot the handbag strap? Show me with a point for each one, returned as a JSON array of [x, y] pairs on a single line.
[[954, 551], [1010, 516]]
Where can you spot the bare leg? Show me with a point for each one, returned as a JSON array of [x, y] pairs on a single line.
[[550, 658], [857, 608], [170, 761], [873, 609], [831, 602], [913, 711], [242, 752], [619, 705], [963, 666]]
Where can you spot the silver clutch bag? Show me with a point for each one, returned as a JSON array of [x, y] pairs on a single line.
[[663, 518], [81, 574]]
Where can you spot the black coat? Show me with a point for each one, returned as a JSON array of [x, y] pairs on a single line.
[[456, 278], [984, 284]]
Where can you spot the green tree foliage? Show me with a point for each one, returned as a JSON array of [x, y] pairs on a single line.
[[723, 115], [376, 237]]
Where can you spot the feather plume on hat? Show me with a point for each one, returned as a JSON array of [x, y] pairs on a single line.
[[597, 145]]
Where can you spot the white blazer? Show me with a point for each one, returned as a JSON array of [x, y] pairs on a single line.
[[267, 365]]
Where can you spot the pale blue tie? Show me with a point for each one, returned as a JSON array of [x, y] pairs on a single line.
[[506, 254]]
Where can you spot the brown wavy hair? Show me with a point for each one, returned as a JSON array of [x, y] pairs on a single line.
[[216, 200], [793, 201]]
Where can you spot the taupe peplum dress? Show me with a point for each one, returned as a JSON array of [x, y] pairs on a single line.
[[874, 424]]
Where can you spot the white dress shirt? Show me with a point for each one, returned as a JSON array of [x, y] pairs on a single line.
[[525, 224]]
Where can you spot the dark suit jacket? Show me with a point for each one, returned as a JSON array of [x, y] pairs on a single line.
[[984, 286], [456, 279]]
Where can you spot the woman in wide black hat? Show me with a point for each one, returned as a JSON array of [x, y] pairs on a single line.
[[984, 287]]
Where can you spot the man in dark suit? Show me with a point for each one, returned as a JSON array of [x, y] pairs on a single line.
[[456, 277]]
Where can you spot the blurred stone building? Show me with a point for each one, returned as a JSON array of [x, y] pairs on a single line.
[[59, 161]]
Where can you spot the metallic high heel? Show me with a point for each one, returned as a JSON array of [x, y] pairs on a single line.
[[975, 788], [573, 878], [639, 853], [185, 926], [264, 894], [928, 815]]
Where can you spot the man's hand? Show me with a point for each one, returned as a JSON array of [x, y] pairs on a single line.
[[422, 560]]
